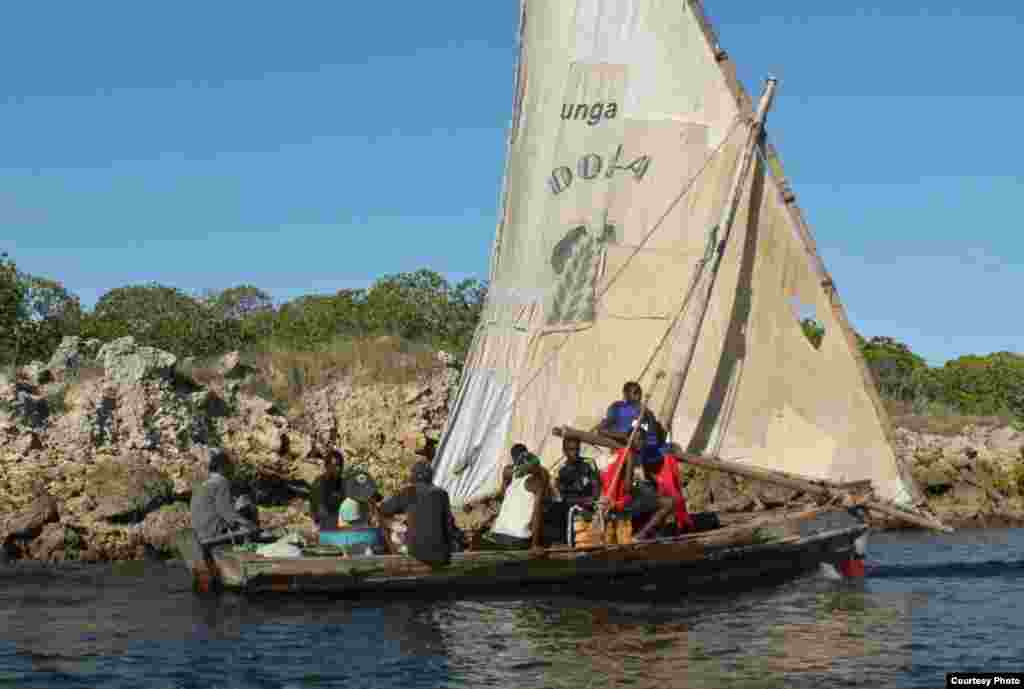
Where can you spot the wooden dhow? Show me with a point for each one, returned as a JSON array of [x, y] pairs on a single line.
[[646, 227], [751, 548]]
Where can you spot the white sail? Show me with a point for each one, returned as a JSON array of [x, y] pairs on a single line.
[[627, 129]]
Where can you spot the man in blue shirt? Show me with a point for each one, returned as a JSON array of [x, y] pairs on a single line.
[[623, 414]]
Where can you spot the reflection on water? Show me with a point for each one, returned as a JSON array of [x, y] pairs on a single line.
[[796, 637], [927, 611]]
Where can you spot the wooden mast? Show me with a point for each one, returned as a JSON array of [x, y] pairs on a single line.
[[693, 323]]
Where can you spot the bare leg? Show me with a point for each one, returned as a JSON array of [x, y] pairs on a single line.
[[665, 507]]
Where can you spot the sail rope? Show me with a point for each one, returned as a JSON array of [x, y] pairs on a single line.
[[687, 187], [702, 264], [715, 250]]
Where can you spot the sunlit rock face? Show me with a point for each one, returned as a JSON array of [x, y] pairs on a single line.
[[116, 435]]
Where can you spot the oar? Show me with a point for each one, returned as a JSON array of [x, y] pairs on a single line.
[[233, 536]]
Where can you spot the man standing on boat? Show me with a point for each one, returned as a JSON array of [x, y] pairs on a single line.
[[623, 414], [212, 511], [430, 527]]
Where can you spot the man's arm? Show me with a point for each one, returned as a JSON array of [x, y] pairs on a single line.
[[396, 504], [222, 502], [314, 501], [506, 478], [539, 487], [449, 521], [607, 421], [595, 482]]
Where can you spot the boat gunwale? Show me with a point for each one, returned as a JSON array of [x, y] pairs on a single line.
[[718, 559], [710, 550]]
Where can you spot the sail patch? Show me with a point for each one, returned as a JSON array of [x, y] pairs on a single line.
[[605, 30]]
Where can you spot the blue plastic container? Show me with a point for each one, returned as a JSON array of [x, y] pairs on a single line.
[[355, 536]]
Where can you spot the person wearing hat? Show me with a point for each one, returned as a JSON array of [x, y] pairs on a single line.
[[328, 491], [212, 511], [430, 526], [361, 495]]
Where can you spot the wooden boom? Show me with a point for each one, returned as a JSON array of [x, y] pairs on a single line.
[[800, 483]]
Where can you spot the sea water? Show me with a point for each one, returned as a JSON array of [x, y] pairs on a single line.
[[930, 604]]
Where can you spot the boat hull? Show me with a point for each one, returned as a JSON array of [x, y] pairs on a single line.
[[766, 550]]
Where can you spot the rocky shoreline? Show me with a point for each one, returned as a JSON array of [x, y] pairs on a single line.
[[100, 447]]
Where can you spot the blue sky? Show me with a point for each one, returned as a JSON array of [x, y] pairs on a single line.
[[309, 147]]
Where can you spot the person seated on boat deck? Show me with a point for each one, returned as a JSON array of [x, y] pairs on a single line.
[[578, 483], [661, 478], [649, 505], [213, 514], [623, 414], [430, 533], [524, 485], [328, 492]]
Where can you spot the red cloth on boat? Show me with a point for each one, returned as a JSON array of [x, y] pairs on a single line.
[[621, 499], [669, 483], [667, 479]]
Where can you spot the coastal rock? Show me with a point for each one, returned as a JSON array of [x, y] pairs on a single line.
[[742, 503], [159, 528], [121, 456], [973, 478], [36, 373], [232, 367], [27, 523], [126, 487], [126, 363], [772, 496], [72, 353], [26, 443], [298, 445], [1005, 440], [21, 405], [271, 438], [49, 545]]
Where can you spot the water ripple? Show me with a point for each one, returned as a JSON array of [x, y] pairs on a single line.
[[931, 604]]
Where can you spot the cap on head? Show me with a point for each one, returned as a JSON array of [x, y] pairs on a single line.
[[518, 450]]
